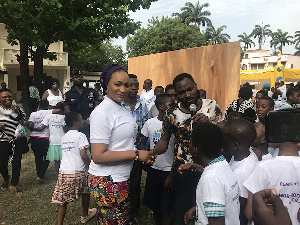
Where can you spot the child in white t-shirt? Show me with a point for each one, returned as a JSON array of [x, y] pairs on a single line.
[[239, 135], [281, 173], [260, 145], [55, 122], [158, 195], [217, 193], [72, 177]]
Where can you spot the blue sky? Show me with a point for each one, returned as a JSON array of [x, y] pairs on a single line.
[[238, 15]]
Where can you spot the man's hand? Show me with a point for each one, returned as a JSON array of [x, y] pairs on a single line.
[[200, 117], [268, 209], [189, 214], [169, 181]]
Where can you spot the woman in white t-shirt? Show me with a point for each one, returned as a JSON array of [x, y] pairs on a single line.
[[113, 150]]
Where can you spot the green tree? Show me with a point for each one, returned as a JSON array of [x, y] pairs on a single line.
[[298, 50], [164, 35], [36, 24], [246, 39], [216, 36], [297, 38], [191, 13], [280, 38], [86, 57], [260, 32]]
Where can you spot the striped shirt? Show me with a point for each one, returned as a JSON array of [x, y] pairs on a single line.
[[10, 118]]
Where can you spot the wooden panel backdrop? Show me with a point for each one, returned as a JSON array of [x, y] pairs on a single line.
[[215, 68]]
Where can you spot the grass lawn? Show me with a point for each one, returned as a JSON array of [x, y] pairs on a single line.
[[34, 206]]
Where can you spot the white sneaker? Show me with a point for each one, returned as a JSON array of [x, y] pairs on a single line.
[[91, 213]]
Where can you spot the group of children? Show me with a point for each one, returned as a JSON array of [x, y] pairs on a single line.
[[225, 190], [55, 137]]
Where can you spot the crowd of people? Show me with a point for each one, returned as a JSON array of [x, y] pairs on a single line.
[[204, 166]]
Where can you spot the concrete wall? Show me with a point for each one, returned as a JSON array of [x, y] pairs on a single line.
[[215, 68]]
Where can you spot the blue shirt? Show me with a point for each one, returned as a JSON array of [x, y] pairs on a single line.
[[140, 113]]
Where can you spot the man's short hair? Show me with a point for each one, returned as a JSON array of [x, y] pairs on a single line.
[[180, 77], [132, 75]]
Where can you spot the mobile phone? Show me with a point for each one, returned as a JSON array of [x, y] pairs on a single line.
[[283, 126]]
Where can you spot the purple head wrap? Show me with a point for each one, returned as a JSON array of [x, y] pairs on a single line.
[[107, 72]]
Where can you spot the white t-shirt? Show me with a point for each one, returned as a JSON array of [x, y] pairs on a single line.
[[153, 129], [149, 98], [55, 122], [218, 184], [242, 169], [283, 174], [266, 157], [37, 118], [71, 143], [113, 125]]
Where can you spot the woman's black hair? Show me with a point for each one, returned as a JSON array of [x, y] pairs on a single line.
[[5, 89], [52, 81], [245, 92]]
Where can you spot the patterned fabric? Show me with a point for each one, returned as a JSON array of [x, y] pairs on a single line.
[[69, 187], [235, 107], [112, 200], [140, 115], [214, 209], [179, 123], [219, 159], [34, 92]]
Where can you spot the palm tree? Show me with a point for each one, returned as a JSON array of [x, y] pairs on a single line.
[[215, 36], [246, 39], [280, 38], [260, 32], [297, 38], [194, 14], [298, 50]]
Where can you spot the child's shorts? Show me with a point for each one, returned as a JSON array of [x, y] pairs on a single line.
[[156, 197], [69, 187]]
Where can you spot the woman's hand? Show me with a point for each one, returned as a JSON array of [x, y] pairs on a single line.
[[146, 156], [2, 126]]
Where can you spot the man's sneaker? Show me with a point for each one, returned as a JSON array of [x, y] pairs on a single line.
[[91, 213]]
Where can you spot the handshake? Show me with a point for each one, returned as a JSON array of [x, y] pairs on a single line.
[[147, 157]]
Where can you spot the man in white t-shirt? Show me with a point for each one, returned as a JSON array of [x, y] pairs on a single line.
[[217, 194], [238, 137], [281, 173], [148, 94], [158, 195]]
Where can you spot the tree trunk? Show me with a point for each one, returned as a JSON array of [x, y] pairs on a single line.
[[24, 77], [38, 68]]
